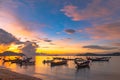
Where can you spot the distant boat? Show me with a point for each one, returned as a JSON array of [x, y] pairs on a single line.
[[82, 63], [21, 62], [47, 61], [99, 58], [58, 62], [58, 58], [28, 63]]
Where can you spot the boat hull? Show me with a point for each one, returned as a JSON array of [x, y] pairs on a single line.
[[83, 64], [58, 63]]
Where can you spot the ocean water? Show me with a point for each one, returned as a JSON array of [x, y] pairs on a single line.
[[97, 70]]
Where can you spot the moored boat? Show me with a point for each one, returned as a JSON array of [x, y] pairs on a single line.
[[58, 62], [82, 63], [99, 58], [47, 61]]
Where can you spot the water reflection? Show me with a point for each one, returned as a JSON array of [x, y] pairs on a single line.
[[79, 69], [96, 71]]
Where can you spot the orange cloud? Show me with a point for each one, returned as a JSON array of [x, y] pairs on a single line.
[[95, 9], [106, 31], [71, 11], [115, 44], [11, 23], [3, 48]]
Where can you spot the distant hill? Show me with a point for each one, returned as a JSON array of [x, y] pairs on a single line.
[[93, 54], [10, 53]]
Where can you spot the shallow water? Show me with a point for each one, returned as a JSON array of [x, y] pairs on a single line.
[[97, 71]]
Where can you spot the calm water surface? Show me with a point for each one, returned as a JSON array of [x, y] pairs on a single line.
[[97, 71]]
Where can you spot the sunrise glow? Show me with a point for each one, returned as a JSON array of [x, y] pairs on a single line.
[[68, 28]]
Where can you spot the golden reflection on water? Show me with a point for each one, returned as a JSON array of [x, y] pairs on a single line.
[[44, 68], [67, 72], [8, 64], [38, 61]]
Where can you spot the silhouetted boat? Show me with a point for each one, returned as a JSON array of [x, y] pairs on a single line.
[[59, 62], [78, 60], [21, 62], [12, 60], [28, 63], [82, 63], [99, 59], [58, 58], [47, 61]]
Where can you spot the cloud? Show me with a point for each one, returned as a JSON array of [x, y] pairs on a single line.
[[95, 9], [99, 47], [9, 3], [116, 44], [46, 47], [13, 23], [29, 48], [47, 40], [69, 31], [71, 11], [79, 30], [52, 44], [7, 41], [106, 32], [6, 38], [66, 39]]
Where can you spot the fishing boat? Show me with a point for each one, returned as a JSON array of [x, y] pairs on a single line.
[[58, 58], [82, 63], [28, 63], [47, 61], [58, 62], [11, 60], [99, 58]]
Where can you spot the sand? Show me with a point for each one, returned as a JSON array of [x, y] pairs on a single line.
[[10, 75]]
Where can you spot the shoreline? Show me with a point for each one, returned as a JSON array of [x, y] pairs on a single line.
[[10, 75]]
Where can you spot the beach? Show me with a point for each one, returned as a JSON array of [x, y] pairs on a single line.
[[10, 75]]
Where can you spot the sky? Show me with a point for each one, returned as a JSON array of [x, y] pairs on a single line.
[[60, 26]]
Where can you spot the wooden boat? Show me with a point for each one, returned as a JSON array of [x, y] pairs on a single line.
[[57, 63], [58, 58], [28, 63], [99, 59], [4, 60], [82, 64], [11, 60], [21, 62], [47, 61], [78, 59]]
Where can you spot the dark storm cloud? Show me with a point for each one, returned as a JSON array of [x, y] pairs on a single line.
[[99, 47], [6, 38], [69, 31]]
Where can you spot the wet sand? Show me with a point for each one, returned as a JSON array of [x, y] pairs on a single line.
[[9, 75]]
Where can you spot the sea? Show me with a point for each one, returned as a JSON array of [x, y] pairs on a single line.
[[104, 70]]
